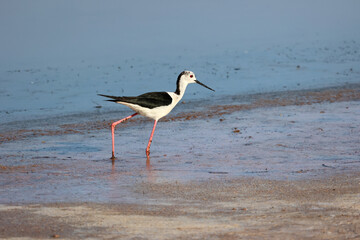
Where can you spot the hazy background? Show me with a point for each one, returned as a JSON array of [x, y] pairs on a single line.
[[52, 32]]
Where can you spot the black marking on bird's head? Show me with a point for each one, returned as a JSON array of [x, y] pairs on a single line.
[[178, 81]]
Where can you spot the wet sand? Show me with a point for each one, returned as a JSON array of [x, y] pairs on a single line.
[[270, 167], [247, 208]]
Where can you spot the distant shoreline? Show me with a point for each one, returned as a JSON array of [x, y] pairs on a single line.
[[76, 123]]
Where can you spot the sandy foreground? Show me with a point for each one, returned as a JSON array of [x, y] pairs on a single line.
[[281, 169], [240, 208]]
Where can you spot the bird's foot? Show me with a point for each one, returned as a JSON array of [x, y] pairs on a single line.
[[113, 157]]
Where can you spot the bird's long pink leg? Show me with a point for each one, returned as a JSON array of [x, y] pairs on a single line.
[[150, 140], [113, 132]]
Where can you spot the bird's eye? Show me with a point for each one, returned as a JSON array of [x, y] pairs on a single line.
[[191, 76]]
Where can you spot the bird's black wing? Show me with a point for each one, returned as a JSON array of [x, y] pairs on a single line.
[[148, 100]]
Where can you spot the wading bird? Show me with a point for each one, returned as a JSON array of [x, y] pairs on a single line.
[[154, 105]]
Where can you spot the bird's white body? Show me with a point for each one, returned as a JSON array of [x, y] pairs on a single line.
[[157, 112]]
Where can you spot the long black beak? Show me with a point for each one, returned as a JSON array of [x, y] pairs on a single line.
[[198, 82]]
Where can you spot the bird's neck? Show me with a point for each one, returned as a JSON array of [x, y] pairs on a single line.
[[180, 88]]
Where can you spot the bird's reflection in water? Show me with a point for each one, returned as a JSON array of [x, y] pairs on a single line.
[[151, 175], [148, 165], [148, 170], [112, 166]]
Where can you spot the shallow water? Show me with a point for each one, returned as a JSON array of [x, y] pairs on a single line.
[[29, 93], [291, 142], [53, 65]]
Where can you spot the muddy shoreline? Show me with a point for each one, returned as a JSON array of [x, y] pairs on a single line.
[[349, 92]]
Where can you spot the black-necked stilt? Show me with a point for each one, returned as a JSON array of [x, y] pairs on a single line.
[[154, 105]]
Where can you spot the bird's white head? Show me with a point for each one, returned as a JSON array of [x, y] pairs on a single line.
[[185, 78]]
